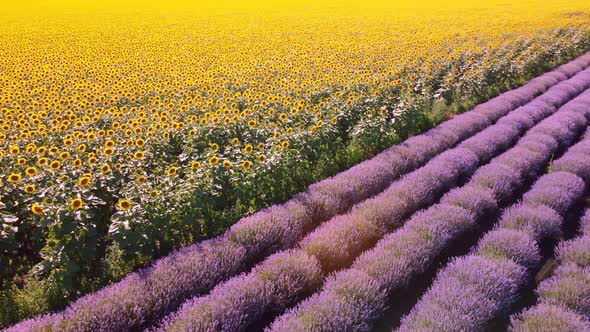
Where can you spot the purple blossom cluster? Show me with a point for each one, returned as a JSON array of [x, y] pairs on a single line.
[[566, 295], [515, 241], [338, 241], [151, 293], [333, 245], [411, 250]]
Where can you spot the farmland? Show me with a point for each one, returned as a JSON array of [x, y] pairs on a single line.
[[237, 167]]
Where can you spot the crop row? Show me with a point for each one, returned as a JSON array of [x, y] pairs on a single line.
[[288, 276], [504, 259], [150, 293], [564, 299], [403, 255]]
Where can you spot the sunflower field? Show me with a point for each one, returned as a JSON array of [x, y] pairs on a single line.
[[129, 129]]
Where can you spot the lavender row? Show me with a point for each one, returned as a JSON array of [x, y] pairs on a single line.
[[337, 242], [150, 293], [411, 250], [235, 304], [564, 299], [502, 262]]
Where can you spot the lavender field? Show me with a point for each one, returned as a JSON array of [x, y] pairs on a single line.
[[479, 224]]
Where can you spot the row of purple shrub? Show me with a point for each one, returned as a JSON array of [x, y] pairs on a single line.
[[410, 251], [564, 299], [242, 300], [503, 261], [145, 296]]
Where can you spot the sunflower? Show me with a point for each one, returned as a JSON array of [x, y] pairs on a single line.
[[76, 204], [139, 155], [14, 178], [30, 189], [213, 161], [247, 164], [227, 164], [84, 181], [42, 161], [261, 157], [172, 171], [31, 171], [248, 148], [195, 164], [105, 168], [55, 165], [37, 209], [78, 163], [285, 144], [124, 204], [235, 140]]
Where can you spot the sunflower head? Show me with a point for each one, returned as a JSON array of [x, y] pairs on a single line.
[[76, 204], [37, 209], [213, 161], [30, 189], [124, 204], [14, 178], [55, 165], [31, 171], [105, 168], [139, 155], [84, 181]]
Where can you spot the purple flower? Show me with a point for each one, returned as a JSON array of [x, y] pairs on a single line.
[[550, 142], [478, 200], [491, 141], [518, 119], [461, 298], [568, 287], [337, 242], [277, 227], [525, 161], [347, 302], [280, 281], [575, 251], [585, 223], [558, 197], [548, 318], [501, 179], [538, 222], [575, 163], [510, 244]]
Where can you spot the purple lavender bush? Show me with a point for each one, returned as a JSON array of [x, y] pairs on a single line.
[[548, 318]]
